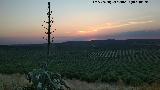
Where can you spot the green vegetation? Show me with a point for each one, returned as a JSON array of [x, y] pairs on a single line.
[[134, 66]]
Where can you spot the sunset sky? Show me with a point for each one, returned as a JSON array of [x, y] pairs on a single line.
[[21, 20]]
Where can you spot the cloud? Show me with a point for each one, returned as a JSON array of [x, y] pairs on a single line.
[[110, 26], [141, 34]]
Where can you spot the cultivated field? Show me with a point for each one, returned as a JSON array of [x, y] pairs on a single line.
[[134, 64]]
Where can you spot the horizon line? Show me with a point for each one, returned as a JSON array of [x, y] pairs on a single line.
[[77, 41]]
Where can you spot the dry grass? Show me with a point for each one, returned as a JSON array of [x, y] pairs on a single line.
[[17, 81], [80, 85], [12, 82]]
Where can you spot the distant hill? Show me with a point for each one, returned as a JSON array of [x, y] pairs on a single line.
[[110, 43], [113, 43]]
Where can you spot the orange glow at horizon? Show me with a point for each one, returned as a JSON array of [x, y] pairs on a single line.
[[110, 27]]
